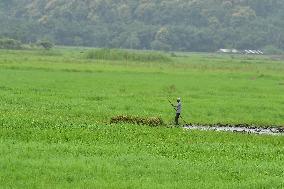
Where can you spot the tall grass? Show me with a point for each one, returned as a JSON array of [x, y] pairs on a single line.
[[118, 54]]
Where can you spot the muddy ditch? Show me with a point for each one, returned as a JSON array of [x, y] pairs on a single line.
[[237, 128], [240, 128]]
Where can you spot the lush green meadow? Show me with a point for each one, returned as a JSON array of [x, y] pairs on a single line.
[[55, 107]]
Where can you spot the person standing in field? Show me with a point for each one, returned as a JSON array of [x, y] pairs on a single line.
[[178, 108]]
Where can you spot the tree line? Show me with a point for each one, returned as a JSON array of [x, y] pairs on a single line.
[[181, 25]]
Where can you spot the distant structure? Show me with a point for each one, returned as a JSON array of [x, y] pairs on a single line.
[[235, 51], [257, 52], [228, 51]]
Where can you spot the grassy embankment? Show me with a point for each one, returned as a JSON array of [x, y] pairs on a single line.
[[54, 107]]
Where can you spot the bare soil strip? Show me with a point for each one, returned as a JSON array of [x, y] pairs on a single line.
[[238, 129]]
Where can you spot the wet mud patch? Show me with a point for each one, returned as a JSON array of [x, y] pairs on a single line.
[[239, 128]]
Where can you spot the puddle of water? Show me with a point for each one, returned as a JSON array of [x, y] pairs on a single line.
[[260, 131]]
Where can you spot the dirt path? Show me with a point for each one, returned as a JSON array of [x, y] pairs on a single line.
[[249, 130]]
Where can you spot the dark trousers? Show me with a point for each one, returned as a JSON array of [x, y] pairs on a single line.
[[176, 118]]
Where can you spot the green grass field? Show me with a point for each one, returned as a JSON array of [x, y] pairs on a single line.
[[55, 107]]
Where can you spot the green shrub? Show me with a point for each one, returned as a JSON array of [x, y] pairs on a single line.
[[46, 44], [117, 54], [151, 121], [7, 43]]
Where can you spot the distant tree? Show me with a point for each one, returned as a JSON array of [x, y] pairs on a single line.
[[162, 39], [163, 35], [7, 43]]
